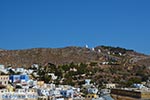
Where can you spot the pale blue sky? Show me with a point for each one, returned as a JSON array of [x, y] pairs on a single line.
[[60, 23]]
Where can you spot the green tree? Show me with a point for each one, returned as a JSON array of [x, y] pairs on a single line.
[[133, 80]]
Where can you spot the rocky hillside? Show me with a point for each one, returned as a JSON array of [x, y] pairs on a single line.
[[66, 55], [102, 64], [26, 58]]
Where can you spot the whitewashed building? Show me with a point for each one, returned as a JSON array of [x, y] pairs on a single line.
[[4, 79]]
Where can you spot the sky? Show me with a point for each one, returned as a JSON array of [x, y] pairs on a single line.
[[59, 23]]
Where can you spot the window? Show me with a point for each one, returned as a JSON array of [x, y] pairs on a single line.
[[5, 82]]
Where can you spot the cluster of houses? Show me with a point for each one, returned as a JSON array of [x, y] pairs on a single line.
[[21, 86]]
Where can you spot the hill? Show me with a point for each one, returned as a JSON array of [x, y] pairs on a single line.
[[26, 58], [103, 63]]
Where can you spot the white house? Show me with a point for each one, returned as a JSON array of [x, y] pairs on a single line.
[[20, 70], [35, 66], [110, 86], [19, 94], [92, 90], [99, 50], [4, 79], [87, 81], [86, 46], [53, 76], [2, 66]]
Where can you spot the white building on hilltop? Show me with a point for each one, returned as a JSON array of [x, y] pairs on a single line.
[[86, 46]]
